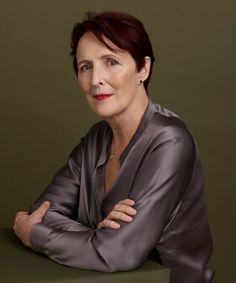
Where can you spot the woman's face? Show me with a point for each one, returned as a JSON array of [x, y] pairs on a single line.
[[109, 80]]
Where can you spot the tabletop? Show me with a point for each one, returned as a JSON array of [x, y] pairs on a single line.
[[20, 264]]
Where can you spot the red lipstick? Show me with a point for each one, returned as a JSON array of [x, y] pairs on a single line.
[[102, 96]]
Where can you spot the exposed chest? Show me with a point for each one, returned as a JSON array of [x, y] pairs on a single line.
[[111, 172]]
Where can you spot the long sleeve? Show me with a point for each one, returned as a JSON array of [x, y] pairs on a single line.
[[63, 194], [160, 183]]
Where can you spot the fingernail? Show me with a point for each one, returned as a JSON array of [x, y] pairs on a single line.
[[116, 225]]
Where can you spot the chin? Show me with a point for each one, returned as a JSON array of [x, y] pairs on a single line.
[[105, 114], [105, 110]]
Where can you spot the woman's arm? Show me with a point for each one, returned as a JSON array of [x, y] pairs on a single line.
[[57, 205], [159, 186], [63, 191]]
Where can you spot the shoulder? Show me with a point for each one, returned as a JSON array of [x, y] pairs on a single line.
[[93, 139], [167, 128], [98, 131]]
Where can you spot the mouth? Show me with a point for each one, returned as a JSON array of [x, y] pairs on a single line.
[[102, 96]]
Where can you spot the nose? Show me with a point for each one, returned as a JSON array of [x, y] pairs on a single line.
[[97, 77]]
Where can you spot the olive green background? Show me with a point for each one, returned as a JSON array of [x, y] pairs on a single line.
[[44, 114]]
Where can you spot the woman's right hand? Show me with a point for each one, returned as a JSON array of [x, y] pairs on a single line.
[[122, 211]]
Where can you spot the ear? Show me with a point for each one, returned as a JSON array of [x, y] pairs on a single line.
[[144, 72]]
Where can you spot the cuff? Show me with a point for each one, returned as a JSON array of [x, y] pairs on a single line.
[[39, 237]]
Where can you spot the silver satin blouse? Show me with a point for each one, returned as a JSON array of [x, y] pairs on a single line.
[[160, 170]]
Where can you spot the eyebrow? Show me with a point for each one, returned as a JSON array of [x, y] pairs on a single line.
[[83, 61], [102, 57]]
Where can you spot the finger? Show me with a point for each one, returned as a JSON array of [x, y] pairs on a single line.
[[125, 209], [116, 215], [40, 212], [106, 223], [127, 201]]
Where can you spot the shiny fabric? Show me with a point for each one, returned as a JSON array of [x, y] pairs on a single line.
[[160, 170]]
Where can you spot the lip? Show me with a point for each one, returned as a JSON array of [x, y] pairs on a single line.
[[102, 96]]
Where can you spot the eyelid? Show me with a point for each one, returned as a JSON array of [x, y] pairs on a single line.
[[112, 60], [83, 62], [81, 66]]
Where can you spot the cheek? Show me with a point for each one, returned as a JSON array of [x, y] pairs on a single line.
[[84, 84], [123, 80]]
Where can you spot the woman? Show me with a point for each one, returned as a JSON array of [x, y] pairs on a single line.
[[133, 187]]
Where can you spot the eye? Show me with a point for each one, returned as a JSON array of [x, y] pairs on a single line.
[[85, 67], [112, 62]]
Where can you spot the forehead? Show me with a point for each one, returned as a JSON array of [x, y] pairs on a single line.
[[89, 46]]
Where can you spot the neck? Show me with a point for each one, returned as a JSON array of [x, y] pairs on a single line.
[[124, 126]]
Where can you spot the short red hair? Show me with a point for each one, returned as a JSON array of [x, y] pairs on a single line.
[[123, 30]]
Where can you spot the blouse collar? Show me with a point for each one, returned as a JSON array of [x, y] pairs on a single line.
[[108, 136]]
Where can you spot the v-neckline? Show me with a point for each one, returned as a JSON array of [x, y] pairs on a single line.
[[142, 125]]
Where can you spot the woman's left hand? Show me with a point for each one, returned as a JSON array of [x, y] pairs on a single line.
[[121, 211], [24, 222]]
